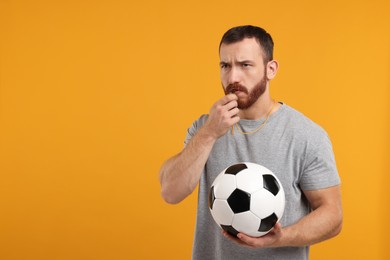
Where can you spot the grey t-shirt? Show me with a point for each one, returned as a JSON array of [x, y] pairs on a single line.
[[294, 148]]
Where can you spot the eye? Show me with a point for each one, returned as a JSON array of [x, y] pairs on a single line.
[[224, 66], [246, 65]]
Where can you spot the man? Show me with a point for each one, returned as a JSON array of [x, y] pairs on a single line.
[[247, 125]]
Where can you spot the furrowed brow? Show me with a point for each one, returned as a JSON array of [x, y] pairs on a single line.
[[223, 63], [245, 61]]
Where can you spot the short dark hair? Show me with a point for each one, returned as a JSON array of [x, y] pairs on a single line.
[[239, 33]]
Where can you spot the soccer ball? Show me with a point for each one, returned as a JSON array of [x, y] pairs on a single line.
[[246, 198]]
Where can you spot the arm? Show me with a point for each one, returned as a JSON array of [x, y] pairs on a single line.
[[180, 174], [324, 222]]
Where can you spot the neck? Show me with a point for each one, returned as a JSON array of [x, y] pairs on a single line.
[[260, 108]]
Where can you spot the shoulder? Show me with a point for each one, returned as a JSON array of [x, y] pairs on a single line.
[[199, 122], [302, 125], [196, 125], [308, 137]]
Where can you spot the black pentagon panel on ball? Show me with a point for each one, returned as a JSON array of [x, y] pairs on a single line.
[[236, 168], [270, 184], [231, 230], [239, 201], [211, 198], [268, 222]]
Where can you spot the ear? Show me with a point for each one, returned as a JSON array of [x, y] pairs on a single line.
[[272, 68]]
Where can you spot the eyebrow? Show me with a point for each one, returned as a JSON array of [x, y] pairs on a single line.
[[239, 62], [245, 61]]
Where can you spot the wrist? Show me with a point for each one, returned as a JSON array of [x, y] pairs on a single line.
[[207, 136], [291, 237]]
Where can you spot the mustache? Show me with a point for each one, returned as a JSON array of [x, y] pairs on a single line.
[[231, 88]]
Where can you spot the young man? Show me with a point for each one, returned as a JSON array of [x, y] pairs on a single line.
[[247, 125]]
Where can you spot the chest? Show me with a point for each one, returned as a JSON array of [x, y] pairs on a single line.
[[283, 155]]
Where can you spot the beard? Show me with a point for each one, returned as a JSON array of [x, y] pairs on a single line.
[[253, 95]]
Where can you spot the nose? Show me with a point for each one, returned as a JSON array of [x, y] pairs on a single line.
[[234, 76]]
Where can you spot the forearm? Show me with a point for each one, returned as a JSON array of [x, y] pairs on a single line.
[[180, 175], [321, 224]]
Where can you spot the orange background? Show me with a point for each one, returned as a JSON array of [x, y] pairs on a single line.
[[95, 95]]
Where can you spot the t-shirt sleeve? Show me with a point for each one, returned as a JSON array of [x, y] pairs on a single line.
[[319, 171], [196, 125]]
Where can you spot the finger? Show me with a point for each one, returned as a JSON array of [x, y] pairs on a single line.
[[234, 112], [278, 226], [228, 236], [229, 97], [232, 104], [277, 229], [234, 239], [246, 239]]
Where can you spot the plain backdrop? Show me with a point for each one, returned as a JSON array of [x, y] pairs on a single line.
[[95, 95]]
